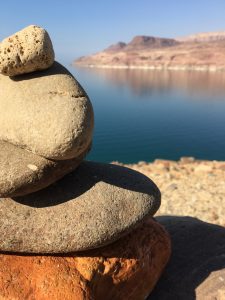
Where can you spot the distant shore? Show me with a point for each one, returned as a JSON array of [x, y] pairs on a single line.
[[189, 187], [151, 67], [201, 52]]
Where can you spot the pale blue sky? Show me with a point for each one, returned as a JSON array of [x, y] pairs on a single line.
[[83, 27]]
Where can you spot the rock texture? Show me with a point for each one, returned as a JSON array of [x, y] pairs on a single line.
[[189, 187], [127, 269], [205, 52], [91, 207], [23, 172], [53, 118], [197, 266], [26, 51]]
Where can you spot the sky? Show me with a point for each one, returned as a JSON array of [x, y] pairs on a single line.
[[81, 27]]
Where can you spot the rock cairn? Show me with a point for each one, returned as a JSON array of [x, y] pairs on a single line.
[[69, 229]]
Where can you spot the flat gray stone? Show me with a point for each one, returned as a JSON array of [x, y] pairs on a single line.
[[47, 113], [28, 50], [90, 207], [22, 172]]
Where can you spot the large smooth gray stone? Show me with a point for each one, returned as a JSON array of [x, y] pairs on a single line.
[[91, 207], [46, 112], [22, 172]]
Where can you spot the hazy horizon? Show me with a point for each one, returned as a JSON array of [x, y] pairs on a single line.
[[79, 28]]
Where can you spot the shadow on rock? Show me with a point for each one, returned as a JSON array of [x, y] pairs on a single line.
[[197, 266], [87, 175], [55, 69]]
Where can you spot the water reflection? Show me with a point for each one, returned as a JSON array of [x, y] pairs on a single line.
[[145, 114], [146, 82]]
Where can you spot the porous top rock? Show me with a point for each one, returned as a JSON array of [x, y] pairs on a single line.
[[26, 51], [23, 172], [90, 207], [47, 113]]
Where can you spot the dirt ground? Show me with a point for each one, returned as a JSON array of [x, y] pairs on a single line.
[[189, 187]]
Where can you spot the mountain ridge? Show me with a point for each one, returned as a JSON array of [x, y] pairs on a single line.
[[143, 41]]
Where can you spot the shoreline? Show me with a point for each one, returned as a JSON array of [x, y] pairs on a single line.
[[189, 187], [152, 67]]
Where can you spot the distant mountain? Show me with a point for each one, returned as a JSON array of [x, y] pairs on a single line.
[[203, 51], [116, 47], [141, 42]]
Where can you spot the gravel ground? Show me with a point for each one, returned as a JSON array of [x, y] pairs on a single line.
[[189, 187]]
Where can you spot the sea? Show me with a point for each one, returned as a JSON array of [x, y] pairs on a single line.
[[143, 115]]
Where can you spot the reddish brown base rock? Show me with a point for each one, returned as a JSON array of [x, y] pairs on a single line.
[[127, 269]]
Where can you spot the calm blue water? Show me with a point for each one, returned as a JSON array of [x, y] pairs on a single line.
[[144, 115]]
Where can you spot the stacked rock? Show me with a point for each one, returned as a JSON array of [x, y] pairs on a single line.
[[87, 225]]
